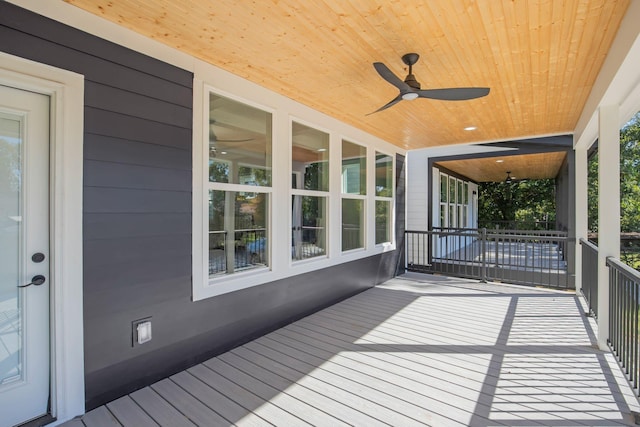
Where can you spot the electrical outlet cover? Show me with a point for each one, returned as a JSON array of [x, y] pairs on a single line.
[[141, 331]]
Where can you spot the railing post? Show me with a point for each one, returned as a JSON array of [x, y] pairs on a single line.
[[483, 253]]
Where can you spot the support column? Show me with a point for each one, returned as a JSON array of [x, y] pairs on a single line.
[[608, 209], [581, 211]]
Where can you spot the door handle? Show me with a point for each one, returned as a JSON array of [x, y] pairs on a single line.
[[35, 280]]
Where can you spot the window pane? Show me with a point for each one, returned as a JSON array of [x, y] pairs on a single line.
[[466, 193], [452, 190], [352, 224], [383, 221], [237, 231], [452, 216], [443, 188], [443, 215], [354, 168], [384, 172], [310, 156], [309, 232], [460, 198], [239, 143]]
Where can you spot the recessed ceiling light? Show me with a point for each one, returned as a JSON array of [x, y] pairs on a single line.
[[223, 152], [499, 161], [471, 128], [322, 149]]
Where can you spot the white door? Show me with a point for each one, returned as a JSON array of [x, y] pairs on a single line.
[[24, 256]]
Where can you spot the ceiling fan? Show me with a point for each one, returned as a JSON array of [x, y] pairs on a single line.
[[512, 179], [213, 139], [410, 87]]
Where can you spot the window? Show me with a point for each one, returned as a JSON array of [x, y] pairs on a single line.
[[250, 157], [354, 190], [239, 186], [454, 202], [465, 207], [354, 168], [384, 197], [310, 186], [352, 224], [444, 200]]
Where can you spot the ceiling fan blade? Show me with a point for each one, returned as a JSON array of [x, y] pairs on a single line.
[[454, 94], [394, 101], [386, 74]]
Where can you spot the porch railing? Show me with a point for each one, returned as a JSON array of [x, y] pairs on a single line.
[[249, 250], [528, 257], [624, 304], [590, 275]]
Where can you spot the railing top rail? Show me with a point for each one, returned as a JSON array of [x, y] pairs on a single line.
[[527, 236], [449, 231], [629, 272], [505, 231], [588, 244], [531, 232]]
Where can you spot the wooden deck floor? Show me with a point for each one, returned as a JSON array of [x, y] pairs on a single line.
[[418, 350]]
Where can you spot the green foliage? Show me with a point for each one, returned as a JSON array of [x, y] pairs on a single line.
[[629, 180], [526, 202]]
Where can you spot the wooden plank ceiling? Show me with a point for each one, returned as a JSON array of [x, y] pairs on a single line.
[[494, 169], [539, 57]]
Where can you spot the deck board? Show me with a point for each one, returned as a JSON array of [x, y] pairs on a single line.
[[161, 410], [191, 407], [417, 350], [128, 413]]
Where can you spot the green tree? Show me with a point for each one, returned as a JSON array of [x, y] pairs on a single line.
[[629, 180], [527, 202]]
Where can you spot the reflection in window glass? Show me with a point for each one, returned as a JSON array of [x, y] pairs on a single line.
[[354, 168], [352, 224], [310, 157], [452, 190], [383, 221], [452, 216], [309, 229], [443, 188], [237, 231], [384, 175], [239, 143]]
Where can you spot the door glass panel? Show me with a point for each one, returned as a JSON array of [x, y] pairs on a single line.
[[11, 359]]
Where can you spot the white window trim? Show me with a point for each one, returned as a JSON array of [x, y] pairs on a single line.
[[285, 112], [390, 245], [66, 90], [203, 285]]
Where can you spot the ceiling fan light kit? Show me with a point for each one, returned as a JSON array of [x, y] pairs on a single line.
[[410, 87]]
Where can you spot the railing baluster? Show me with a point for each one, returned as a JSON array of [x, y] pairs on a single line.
[[624, 295]]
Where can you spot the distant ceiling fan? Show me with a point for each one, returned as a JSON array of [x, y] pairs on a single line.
[[512, 179], [410, 87], [213, 139]]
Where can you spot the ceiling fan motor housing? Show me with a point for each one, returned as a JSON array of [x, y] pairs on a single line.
[[412, 82]]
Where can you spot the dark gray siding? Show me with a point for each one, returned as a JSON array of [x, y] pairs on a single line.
[[137, 219]]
